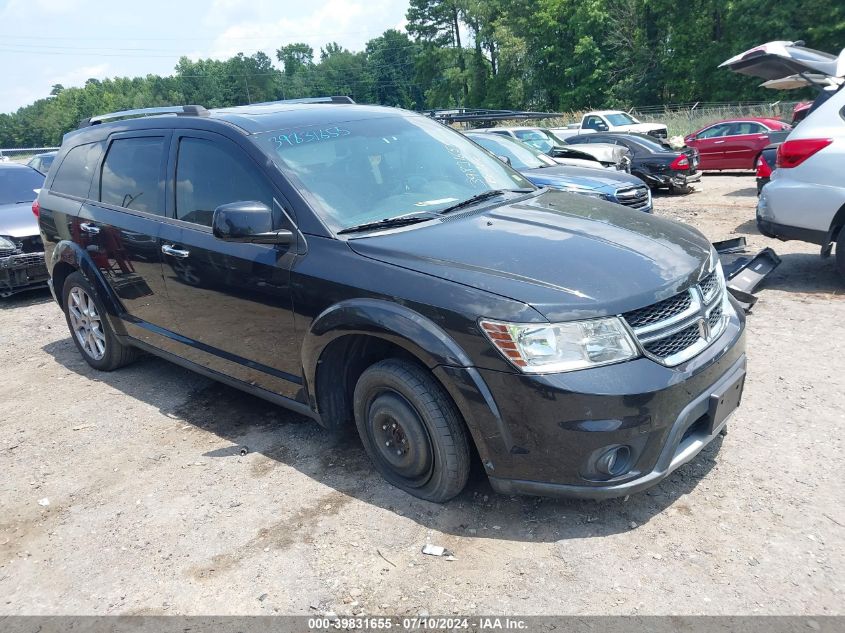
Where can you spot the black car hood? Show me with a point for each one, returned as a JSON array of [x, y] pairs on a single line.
[[566, 255], [600, 179]]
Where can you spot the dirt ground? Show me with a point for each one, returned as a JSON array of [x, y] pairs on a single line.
[[153, 510]]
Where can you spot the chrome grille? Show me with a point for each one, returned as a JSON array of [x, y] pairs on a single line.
[[634, 197], [25, 260], [5, 252], [674, 330], [674, 343], [709, 286], [662, 311]]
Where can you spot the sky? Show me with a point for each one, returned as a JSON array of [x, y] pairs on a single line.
[[47, 42]]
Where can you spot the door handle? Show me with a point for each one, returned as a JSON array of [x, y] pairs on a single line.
[[717, 142], [168, 249], [91, 229]]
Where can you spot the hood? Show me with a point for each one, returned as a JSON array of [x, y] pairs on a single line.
[[642, 128], [599, 179], [17, 220], [566, 255]]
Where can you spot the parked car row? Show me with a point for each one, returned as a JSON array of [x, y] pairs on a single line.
[[374, 269]]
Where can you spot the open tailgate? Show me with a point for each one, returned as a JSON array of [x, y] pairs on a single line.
[[779, 59]]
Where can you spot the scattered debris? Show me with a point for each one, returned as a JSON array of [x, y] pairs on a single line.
[[44, 502], [262, 597], [436, 550], [632, 525], [387, 559], [244, 450], [82, 427]]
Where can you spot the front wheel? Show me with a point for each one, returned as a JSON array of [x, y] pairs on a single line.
[[412, 430], [89, 327]]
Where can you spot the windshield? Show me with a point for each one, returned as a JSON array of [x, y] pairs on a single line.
[[536, 138], [375, 169], [620, 118], [522, 156], [17, 185]]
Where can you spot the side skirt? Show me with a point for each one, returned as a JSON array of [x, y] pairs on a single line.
[[282, 401]]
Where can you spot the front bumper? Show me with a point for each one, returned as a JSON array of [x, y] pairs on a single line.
[[22, 272], [540, 434]]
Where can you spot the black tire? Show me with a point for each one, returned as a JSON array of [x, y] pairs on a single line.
[[411, 430], [678, 190], [840, 252], [113, 353]]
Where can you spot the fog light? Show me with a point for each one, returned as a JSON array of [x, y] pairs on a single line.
[[614, 462]]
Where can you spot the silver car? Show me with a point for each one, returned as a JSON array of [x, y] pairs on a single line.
[[21, 250], [805, 198]]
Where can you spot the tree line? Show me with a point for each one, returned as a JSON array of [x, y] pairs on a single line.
[[557, 55]]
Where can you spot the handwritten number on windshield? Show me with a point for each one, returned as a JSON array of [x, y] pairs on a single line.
[[307, 136]]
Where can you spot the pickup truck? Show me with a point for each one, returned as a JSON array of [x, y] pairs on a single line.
[[613, 121]]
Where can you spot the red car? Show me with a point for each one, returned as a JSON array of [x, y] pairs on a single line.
[[734, 144]]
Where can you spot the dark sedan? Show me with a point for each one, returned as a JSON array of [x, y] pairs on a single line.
[[653, 161], [766, 163], [606, 184]]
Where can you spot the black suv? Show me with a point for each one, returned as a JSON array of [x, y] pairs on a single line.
[[369, 266]]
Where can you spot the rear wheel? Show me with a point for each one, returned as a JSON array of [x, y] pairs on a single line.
[[89, 327], [679, 189], [412, 430], [840, 251]]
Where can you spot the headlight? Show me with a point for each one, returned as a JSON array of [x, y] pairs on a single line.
[[555, 347], [6, 243]]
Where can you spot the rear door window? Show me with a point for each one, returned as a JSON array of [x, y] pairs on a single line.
[[210, 174], [748, 127], [132, 175], [77, 170]]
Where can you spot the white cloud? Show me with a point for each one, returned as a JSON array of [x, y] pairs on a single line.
[[78, 76], [26, 9], [351, 23]]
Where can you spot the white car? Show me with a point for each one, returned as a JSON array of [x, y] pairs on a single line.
[[805, 199], [618, 121], [595, 155]]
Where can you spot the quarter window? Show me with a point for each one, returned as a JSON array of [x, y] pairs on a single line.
[[132, 175], [77, 170], [208, 175]]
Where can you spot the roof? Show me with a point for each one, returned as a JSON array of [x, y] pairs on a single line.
[[278, 116], [19, 166], [605, 112], [748, 119]]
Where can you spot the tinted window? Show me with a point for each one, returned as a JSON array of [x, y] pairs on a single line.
[[748, 127], [208, 175], [77, 170], [17, 184], [132, 174], [716, 131]]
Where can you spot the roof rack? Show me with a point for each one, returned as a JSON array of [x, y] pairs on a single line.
[[334, 99], [455, 115], [186, 110]]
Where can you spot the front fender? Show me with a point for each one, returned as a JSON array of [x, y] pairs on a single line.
[[386, 320], [73, 255]]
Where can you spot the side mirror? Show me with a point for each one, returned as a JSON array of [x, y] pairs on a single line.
[[602, 127], [249, 222], [504, 159]]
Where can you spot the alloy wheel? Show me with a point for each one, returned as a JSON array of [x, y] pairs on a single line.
[[86, 323]]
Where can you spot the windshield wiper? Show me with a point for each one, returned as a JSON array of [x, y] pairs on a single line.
[[388, 223], [484, 195]]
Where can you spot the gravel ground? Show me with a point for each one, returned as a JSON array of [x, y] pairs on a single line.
[[126, 493]]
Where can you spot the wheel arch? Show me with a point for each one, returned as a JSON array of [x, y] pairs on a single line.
[[836, 224], [349, 336], [68, 257]]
